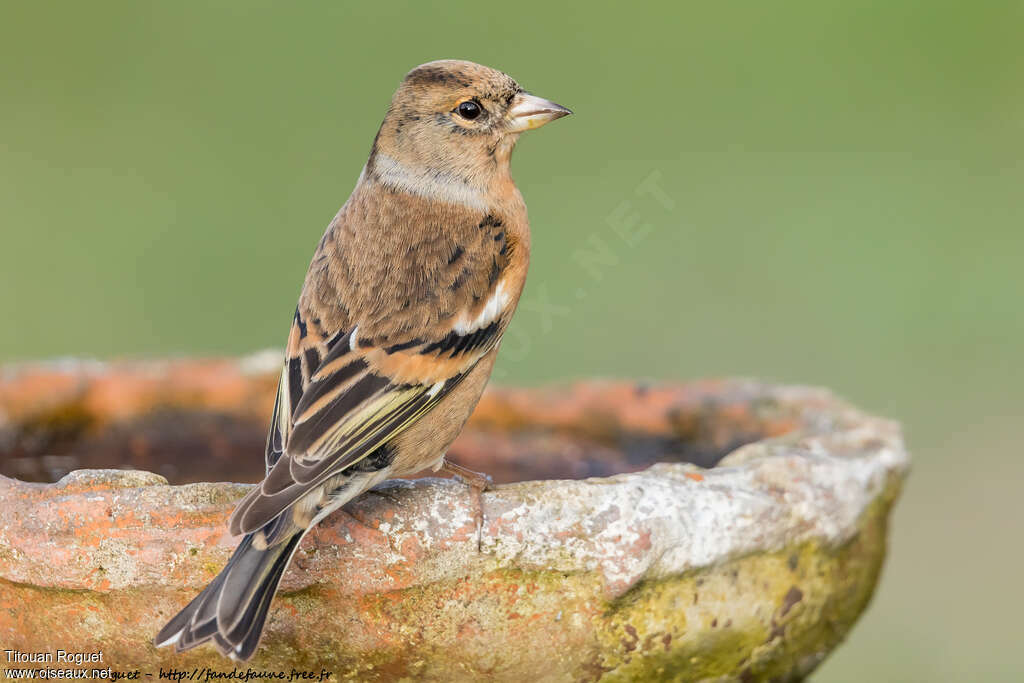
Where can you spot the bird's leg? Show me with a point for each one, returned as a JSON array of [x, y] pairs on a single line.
[[383, 494], [478, 483]]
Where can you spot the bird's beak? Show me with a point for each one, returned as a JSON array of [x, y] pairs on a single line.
[[529, 112]]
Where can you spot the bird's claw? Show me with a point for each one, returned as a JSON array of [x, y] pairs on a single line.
[[478, 483]]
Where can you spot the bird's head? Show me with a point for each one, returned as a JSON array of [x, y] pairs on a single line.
[[459, 120]]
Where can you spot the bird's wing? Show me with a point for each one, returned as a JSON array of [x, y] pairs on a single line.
[[402, 298], [341, 399]]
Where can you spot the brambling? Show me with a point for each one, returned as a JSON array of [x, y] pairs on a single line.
[[396, 330]]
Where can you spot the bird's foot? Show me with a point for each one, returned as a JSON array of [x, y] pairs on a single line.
[[383, 494], [478, 483]]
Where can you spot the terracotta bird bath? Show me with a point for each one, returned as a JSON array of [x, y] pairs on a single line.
[[723, 530]]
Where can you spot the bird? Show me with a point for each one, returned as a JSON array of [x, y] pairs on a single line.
[[395, 333]]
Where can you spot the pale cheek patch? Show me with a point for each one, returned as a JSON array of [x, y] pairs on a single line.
[[491, 311]]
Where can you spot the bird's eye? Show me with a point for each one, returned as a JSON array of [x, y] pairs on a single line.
[[469, 110]]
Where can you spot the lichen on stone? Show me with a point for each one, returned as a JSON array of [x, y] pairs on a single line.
[[750, 570]]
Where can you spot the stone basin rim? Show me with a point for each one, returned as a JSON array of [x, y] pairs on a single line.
[[853, 434], [87, 392], [808, 485], [782, 541], [795, 489]]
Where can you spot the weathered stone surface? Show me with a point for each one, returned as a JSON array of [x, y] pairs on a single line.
[[753, 569]]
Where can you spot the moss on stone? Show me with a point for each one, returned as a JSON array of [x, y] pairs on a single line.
[[413, 602], [766, 616]]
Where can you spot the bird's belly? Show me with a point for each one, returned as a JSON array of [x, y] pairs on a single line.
[[423, 445]]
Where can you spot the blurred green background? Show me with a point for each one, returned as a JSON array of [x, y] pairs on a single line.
[[843, 207]]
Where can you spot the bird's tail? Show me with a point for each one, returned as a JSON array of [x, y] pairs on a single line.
[[232, 609]]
